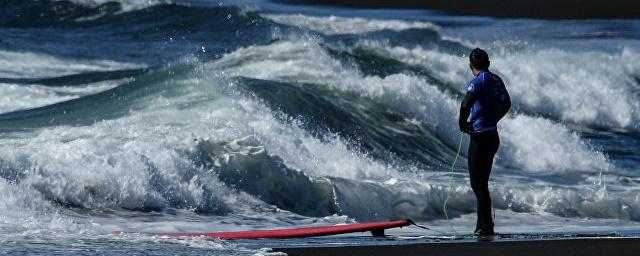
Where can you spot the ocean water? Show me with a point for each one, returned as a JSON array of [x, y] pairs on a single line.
[[163, 116]]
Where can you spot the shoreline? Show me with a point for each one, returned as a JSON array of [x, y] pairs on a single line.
[[558, 247], [538, 9]]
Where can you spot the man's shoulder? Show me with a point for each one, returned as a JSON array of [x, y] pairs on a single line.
[[475, 83], [478, 79], [495, 78]]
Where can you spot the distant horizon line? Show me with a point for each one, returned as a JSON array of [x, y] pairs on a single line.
[[540, 9]]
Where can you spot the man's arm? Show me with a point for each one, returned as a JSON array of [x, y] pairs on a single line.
[[506, 106], [465, 110]]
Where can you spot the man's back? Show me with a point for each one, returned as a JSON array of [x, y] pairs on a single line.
[[490, 101]]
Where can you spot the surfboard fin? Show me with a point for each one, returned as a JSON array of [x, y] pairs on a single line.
[[377, 233]]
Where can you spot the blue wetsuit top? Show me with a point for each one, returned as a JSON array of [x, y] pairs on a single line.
[[490, 101]]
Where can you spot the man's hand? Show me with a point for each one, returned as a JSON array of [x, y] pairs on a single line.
[[466, 127], [465, 109]]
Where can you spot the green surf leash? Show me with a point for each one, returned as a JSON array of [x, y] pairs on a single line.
[[450, 186], [450, 192], [446, 201]]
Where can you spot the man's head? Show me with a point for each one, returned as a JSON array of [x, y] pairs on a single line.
[[478, 61]]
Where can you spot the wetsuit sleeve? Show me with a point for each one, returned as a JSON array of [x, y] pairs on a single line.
[[506, 106], [465, 110]]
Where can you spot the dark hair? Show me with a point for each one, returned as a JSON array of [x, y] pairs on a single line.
[[479, 59]]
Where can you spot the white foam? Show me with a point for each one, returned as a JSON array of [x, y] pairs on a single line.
[[27, 96], [591, 88], [307, 62], [422, 200], [535, 143], [111, 163], [26, 65], [630, 59], [128, 162], [584, 88], [37, 65], [16, 97], [112, 170], [333, 25], [25, 212], [301, 151], [127, 5]]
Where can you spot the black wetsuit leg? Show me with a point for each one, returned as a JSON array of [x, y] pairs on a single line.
[[482, 148]]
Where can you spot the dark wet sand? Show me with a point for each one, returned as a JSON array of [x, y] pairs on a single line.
[[568, 247], [544, 9]]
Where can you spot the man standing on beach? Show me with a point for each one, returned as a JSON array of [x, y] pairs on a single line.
[[484, 104]]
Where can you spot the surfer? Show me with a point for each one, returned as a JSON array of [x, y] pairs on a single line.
[[484, 104]]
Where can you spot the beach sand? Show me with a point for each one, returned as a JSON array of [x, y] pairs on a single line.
[[560, 247]]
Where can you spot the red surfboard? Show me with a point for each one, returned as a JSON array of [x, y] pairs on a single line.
[[376, 229]]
